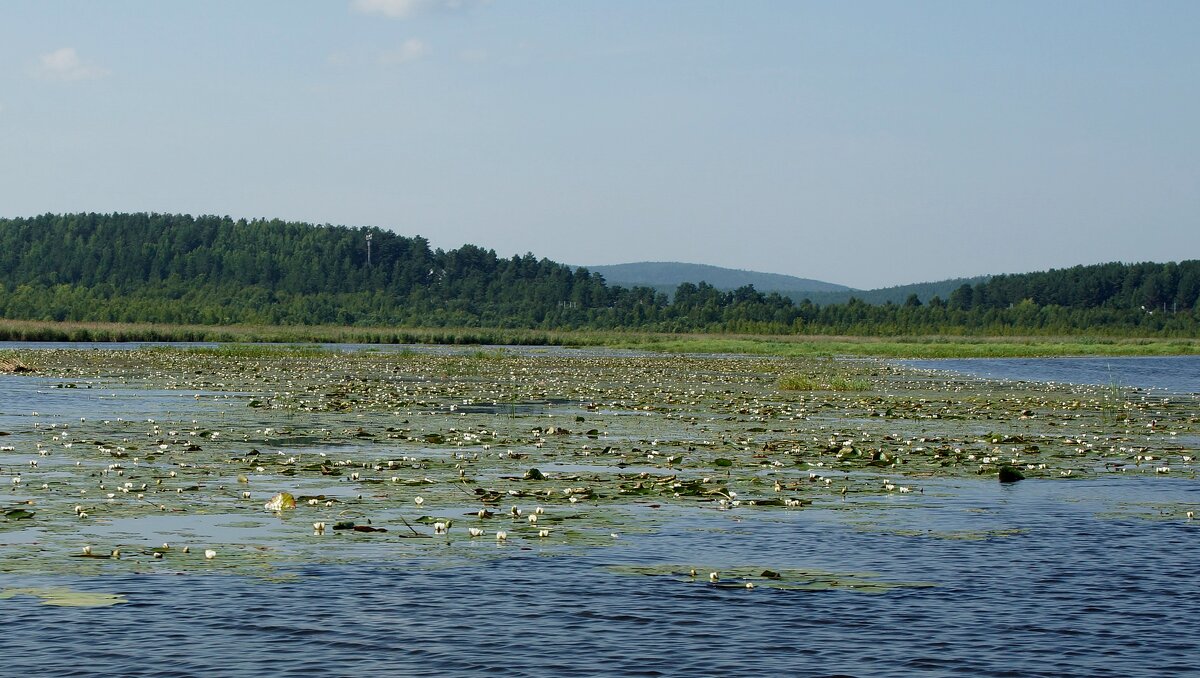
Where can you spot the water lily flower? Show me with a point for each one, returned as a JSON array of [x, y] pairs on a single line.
[[210, 554]]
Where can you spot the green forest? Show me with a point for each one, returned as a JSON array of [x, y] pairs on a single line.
[[212, 270]]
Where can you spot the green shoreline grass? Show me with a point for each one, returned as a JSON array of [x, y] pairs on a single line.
[[772, 345]]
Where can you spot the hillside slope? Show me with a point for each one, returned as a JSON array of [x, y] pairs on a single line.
[[672, 274]]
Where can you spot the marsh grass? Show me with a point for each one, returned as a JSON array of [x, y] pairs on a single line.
[[797, 346], [917, 347], [1113, 408]]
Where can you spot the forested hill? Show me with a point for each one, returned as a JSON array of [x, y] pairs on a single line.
[[671, 274], [216, 270], [172, 268]]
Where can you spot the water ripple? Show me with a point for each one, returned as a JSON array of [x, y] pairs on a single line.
[[1070, 594]]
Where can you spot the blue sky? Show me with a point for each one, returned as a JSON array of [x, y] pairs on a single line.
[[863, 143]]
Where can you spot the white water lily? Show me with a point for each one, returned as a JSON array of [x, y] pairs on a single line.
[[474, 531], [501, 535], [419, 500], [210, 554]]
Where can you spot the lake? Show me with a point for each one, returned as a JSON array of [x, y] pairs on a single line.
[[1035, 579], [1059, 575], [1172, 374]]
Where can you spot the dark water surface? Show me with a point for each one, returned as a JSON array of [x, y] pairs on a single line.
[[1173, 374], [1085, 580]]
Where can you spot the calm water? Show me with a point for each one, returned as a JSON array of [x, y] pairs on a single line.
[[1075, 593], [1045, 578], [1174, 374]]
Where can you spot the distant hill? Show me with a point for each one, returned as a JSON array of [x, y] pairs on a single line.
[[667, 275], [898, 294]]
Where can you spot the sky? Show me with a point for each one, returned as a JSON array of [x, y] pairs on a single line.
[[863, 143]]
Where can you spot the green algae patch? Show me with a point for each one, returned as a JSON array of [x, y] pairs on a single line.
[[750, 577], [65, 597]]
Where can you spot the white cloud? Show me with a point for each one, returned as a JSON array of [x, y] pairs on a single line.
[[65, 64], [403, 9], [411, 50]]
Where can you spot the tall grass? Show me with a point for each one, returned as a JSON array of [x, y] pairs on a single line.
[[776, 345]]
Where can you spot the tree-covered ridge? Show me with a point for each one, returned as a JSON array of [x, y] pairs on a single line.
[[216, 270], [1150, 287], [175, 268]]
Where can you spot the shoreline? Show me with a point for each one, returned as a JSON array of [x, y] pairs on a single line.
[[941, 346]]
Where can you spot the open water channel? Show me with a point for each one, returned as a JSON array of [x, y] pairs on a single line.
[[1037, 578]]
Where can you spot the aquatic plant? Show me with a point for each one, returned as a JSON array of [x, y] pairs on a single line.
[[381, 447]]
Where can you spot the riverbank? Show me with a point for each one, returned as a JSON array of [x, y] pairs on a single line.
[[765, 345]]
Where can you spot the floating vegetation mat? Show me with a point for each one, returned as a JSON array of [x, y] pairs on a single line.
[[243, 460], [750, 577], [64, 597]]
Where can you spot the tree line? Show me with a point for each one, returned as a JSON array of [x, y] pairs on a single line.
[[217, 270]]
